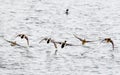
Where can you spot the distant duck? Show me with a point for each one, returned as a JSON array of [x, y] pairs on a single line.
[[108, 40], [63, 44], [82, 40], [22, 36], [67, 11], [48, 41], [12, 43]]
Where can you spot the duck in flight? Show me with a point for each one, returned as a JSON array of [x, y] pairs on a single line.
[[63, 44], [82, 40], [48, 40], [108, 40], [23, 36], [12, 43]]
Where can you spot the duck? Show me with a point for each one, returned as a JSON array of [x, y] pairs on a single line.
[[109, 40], [66, 12], [48, 41], [12, 43], [23, 36], [63, 44], [84, 41]]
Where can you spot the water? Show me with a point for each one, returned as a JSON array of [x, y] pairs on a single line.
[[93, 20]]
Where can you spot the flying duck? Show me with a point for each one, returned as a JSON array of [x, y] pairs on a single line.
[[63, 44], [108, 40], [82, 40], [48, 41], [23, 36], [12, 43]]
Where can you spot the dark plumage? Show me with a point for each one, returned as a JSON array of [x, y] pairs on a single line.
[[108, 40], [22, 36], [63, 44], [48, 41], [67, 11]]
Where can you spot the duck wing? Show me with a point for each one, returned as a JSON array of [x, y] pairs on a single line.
[[27, 39], [43, 40], [89, 41], [12, 42], [67, 44], [59, 42], [55, 45], [78, 37], [112, 44]]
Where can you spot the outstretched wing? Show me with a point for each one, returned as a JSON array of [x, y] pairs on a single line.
[[89, 41], [55, 45], [77, 37], [43, 40], [102, 41], [18, 35], [112, 44], [12, 42], [59, 42], [27, 39], [71, 44]]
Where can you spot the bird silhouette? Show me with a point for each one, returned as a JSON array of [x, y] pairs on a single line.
[[66, 12], [63, 44], [48, 41], [82, 40], [23, 36], [12, 43], [108, 40]]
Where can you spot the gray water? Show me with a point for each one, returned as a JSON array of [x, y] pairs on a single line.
[[90, 19]]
